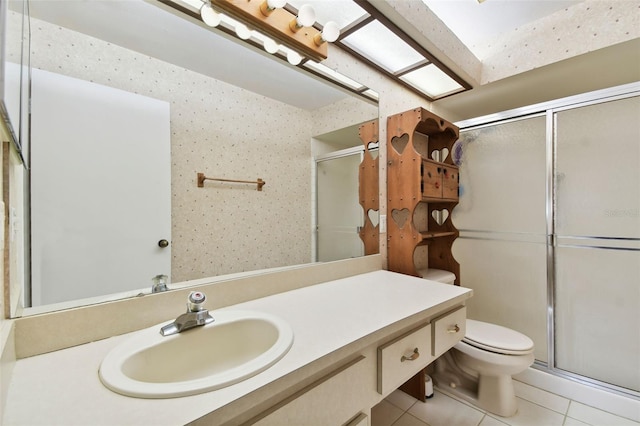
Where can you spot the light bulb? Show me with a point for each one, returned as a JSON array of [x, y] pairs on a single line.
[[209, 16], [306, 18], [270, 46], [330, 32], [269, 6], [293, 57], [243, 32]]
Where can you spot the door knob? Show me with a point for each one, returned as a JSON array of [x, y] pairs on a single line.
[[163, 243]]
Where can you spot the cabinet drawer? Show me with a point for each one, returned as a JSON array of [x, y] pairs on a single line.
[[431, 179], [360, 420], [448, 330], [332, 400], [450, 182], [402, 358]]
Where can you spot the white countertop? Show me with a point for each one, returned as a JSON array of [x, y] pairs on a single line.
[[63, 388]]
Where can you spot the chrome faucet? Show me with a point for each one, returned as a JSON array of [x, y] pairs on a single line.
[[159, 284], [195, 316]]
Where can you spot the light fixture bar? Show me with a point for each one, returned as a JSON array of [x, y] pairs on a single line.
[[276, 25]]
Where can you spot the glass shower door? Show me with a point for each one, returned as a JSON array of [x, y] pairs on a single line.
[[339, 214], [597, 255], [502, 221]]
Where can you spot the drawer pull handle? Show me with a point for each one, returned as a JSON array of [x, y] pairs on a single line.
[[453, 329], [415, 355]]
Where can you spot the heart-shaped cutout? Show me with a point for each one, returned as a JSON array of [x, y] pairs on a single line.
[[374, 217], [372, 149], [440, 155], [445, 154], [440, 216], [400, 217], [400, 143]]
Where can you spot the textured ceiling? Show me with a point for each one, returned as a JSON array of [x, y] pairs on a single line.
[[474, 23]]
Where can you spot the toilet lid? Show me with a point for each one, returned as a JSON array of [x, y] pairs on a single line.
[[496, 338]]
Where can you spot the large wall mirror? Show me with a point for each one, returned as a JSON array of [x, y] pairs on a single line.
[[134, 99], [14, 73]]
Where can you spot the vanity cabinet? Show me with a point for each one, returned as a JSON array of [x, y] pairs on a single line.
[[346, 395], [401, 362], [422, 188], [335, 399], [330, 375]]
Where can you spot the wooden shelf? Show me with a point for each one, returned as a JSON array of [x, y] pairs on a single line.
[[431, 235], [439, 200]]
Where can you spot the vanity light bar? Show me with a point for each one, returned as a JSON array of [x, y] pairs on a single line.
[[276, 25], [256, 39]]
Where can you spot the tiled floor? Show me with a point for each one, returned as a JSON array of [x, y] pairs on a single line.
[[535, 408]]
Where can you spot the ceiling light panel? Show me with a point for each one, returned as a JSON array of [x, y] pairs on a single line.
[[344, 13], [432, 81], [382, 46]]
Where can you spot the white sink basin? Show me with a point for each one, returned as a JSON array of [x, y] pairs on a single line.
[[236, 346]]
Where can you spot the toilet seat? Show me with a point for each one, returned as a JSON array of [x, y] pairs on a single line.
[[498, 339]]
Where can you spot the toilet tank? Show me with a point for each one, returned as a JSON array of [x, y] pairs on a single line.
[[439, 275]]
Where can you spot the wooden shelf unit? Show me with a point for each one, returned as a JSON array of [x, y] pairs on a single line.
[[422, 188]]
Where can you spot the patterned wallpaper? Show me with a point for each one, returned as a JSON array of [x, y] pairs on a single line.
[[219, 130]]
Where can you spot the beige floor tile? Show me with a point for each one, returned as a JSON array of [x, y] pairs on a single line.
[[573, 422], [541, 397], [596, 417], [409, 420], [490, 421], [530, 414], [401, 400], [385, 414], [457, 398], [442, 410]]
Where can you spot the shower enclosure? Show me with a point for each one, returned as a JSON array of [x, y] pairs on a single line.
[[549, 220], [338, 212]]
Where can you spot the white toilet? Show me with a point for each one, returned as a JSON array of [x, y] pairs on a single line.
[[478, 369]]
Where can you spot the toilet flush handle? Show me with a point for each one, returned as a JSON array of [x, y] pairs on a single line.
[[453, 329]]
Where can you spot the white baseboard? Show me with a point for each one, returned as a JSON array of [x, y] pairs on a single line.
[[613, 403]]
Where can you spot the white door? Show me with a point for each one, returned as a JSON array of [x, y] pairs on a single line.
[[100, 189], [339, 212]]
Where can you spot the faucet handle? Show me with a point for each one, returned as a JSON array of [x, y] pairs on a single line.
[[196, 301]]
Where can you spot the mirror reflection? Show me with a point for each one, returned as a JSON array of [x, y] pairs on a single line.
[[130, 101]]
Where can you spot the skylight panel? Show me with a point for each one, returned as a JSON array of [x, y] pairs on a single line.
[[382, 46], [432, 81]]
